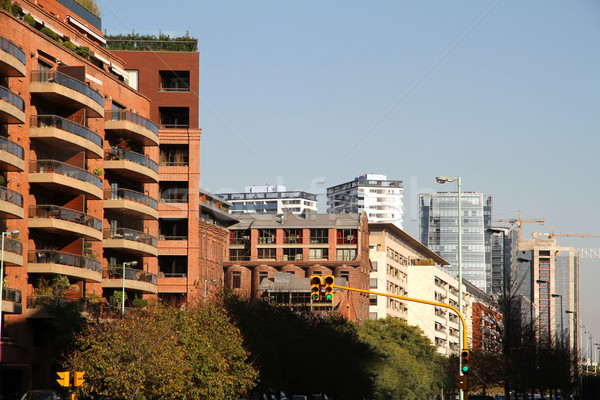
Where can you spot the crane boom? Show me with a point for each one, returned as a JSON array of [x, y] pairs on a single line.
[[519, 221], [554, 234]]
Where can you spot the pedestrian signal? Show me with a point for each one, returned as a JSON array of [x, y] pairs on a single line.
[[315, 287]]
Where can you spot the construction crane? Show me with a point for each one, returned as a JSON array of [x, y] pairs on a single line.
[[553, 234], [520, 222]]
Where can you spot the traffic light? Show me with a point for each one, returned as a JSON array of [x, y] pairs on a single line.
[[64, 378], [79, 378], [464, 358], [461, 382], [329, 281], [315, 287]]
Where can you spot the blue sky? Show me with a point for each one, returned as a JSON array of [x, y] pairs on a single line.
[[310, 94]]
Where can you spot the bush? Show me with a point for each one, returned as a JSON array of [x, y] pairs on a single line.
[[70, 45], [16, 10], [28, 19], [83, 52], [51, 34], [5, 4]]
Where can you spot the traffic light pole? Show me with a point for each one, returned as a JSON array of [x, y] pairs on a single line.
[[433, 303]]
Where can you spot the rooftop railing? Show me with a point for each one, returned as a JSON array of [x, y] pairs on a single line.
[[12, 98], [117, 153], [11, 196], [65, 214], [130, 234], [132, 195], [50, 256], [122, 115], [12, 49], [59, 167], [49, 76], [11, 147], [54, 121]]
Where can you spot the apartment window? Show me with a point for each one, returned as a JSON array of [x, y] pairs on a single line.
[[174, 155], [292, 236], [373, 283], [174, 192], [319, 236], [266, 254], [236, 280], [173, 229], [239, 237], [134, 78], [266, 236], [345, 275], [346, 236], [372, 299], [345, 254], [175, 81], [374, 265], [239, 255], [172, 266], [294, 254], [262, 275], [174, 117], [318, 254]]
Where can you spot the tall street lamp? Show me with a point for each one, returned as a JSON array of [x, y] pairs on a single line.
[[125, 264], [540, 282], [575, 330], [561, 317], [2, 276], [444, 179]]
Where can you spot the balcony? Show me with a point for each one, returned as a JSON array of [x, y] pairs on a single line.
[[61, 89], [13, 252], [42, 261], [131, 241], [12, 59], [38, 305], [11, 156], [11, 301], [131, 126], [11, 204], [12, 107], [57, 132], [62, 177], [64, 221], [131, 165], [135, 279], [130, 202]]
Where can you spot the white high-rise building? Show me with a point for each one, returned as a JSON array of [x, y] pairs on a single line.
[[380, 198], [270, 199]]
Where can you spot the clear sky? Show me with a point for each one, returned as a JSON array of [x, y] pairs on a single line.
[[505, 94]]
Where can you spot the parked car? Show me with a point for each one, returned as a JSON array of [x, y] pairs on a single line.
[[41, 395]]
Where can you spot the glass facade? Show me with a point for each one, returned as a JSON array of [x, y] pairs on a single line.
[[439, 232]]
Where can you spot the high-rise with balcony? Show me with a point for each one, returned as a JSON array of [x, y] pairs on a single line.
[[270, 199], [379, 197], [438, 213], [78, 180]]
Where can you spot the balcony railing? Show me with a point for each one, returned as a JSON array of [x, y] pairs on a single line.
[[11, 196], [13, 246], [127, 194], [11, 147], [65, 214], [11, 97], [50, 76], [48, 256], [54, 121], [58, 167], [116, 272], [47, 301], [117, 153], [130, 234], [12, 49], [122, 115], [10, 294]]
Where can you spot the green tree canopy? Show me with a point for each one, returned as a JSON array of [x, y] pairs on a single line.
[[164, 353]]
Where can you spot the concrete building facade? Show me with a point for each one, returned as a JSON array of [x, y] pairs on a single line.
[[380, 198], [270, 199]]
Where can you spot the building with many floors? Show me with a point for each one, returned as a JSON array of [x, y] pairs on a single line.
[[262, 245], [269, 199], [380, 198]]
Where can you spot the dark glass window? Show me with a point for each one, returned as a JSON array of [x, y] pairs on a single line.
[[174, 117], [175, 81]]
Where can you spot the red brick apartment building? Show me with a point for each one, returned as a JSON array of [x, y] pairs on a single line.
[[486, 319], [79, 178], [262, 245]]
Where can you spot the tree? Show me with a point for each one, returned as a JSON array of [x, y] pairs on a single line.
[[163, 353], [408, 366]]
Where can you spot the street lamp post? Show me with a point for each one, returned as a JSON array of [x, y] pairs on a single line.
[[205, 282], [539, 282], [125, 264], [561, 317], [2, 275], [444, 179]]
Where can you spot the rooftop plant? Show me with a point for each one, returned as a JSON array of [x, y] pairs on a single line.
[[162, 42]]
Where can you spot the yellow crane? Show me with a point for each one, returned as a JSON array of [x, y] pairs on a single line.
[[553, 234], [519, 221]]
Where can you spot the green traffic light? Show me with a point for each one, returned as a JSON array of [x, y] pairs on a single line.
[[465, 369], [329, 296]]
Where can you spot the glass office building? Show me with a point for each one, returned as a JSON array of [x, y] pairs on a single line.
[[438, 230]]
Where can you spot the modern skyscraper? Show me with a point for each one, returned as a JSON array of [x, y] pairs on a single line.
[[380, 198], [438, 213]]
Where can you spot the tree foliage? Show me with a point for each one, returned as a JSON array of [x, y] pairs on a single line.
[[163, 353], [408, 367]]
